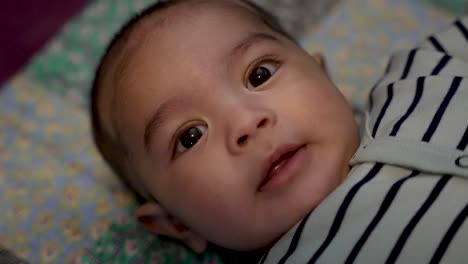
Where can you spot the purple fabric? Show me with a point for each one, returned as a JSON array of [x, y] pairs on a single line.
[[26, 26]]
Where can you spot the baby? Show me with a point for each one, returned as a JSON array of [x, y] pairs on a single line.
[[231, 133]]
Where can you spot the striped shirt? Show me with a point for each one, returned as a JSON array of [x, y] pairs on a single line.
[[406, 198]]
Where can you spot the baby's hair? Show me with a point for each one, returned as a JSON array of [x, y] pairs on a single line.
[[112, 150]]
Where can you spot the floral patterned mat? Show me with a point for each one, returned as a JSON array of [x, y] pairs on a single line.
[[57, 195]]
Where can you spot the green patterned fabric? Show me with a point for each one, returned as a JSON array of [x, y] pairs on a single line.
[[66, 66], [127, 242], [455, 6]]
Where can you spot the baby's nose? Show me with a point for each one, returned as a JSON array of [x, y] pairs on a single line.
[[247, 128], [242, 140]]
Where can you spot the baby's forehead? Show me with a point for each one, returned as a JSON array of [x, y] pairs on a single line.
[[148, 27], [176, 20], [192, 9], [146, 49]]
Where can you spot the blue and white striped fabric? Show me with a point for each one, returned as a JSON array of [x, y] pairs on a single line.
[[406, 198]]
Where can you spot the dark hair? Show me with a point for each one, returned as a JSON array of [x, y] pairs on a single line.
[[111, 149]]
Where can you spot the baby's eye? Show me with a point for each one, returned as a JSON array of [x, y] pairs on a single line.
[[261, 74], [189, 137]]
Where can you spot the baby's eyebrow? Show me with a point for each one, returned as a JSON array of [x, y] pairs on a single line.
[[159, 118], [249, 41]]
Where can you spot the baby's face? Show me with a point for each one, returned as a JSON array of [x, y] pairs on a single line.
[[232, 127]]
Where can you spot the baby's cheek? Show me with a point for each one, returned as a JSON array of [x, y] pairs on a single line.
[[217, 218]]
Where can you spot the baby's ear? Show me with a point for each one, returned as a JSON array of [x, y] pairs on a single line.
[[156, 220]]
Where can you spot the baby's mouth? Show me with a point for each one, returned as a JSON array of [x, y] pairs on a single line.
[[277, 161]]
